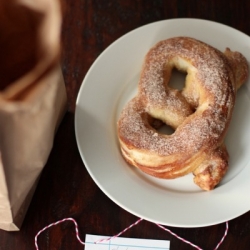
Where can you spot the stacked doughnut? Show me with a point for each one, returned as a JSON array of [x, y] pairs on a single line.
[[200, 113]]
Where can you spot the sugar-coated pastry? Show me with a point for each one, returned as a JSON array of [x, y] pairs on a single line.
[[200, 113]]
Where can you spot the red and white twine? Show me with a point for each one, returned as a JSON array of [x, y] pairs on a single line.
[[123, 231]]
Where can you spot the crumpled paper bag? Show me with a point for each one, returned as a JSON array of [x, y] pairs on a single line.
[[32, 100]]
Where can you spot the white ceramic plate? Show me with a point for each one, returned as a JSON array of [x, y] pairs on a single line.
[[110, 83]]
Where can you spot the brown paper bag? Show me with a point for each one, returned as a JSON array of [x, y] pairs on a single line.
[[32, 100]]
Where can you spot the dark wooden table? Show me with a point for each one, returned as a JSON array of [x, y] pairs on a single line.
[[65, 188]]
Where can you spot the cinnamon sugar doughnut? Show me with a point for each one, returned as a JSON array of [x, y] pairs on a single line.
[[200, 113]]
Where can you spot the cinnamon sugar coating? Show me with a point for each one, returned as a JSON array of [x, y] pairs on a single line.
[[200, 113]]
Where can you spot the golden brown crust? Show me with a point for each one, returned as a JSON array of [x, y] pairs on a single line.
[[209, 173], [210, 88]]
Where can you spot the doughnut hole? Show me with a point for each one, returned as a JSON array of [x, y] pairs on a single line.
[[177, 79], [165, 129], [160, 126]]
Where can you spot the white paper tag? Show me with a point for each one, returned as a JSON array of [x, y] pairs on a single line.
[[121, 243]]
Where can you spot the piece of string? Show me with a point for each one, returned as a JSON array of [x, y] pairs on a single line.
[[123, 231]]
